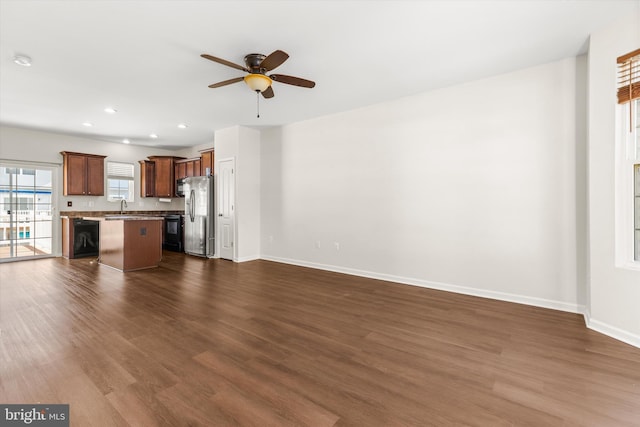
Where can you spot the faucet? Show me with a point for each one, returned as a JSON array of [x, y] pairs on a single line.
[[123, 204]]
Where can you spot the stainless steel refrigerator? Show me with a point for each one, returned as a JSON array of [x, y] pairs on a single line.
[[199, 218]]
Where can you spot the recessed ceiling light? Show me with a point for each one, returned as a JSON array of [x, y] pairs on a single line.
[[182, 126], [23, 60], [153, 136], [125, 141], [110, 110], [87, 124]]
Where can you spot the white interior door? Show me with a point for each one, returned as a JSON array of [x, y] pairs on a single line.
[[226, 208]]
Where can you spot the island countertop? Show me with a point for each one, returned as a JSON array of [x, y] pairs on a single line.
[[125, 217]]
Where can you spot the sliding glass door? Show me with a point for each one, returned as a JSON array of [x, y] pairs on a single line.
[[26, 210]]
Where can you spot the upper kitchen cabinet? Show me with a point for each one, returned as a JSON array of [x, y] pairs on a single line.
[[207, 159], [147, 178], [196, 167], [180, 170], [164, 175], [187, 167], [83, 174]]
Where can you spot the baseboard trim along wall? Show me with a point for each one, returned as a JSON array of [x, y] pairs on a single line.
[[502, 296], [612, 331], [595, 325], [248, 258]]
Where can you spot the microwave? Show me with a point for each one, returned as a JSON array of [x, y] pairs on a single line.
[[180, 187]]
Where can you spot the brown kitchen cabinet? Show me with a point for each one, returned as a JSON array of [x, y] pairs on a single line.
[[206, 161], [164, 175], [196, 167], [83, 174], [131, 243], [187, 167], [147, 178], [180, 170]]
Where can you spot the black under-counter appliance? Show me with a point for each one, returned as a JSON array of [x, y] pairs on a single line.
[[173, 236], [86, 238]]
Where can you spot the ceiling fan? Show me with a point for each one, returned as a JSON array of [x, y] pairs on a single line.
[[257, 65]]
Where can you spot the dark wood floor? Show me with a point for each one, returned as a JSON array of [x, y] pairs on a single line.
[[213, 343]]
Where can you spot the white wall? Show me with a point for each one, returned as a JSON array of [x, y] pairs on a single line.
[[614, 306], [243, 145], [29, 145], [470, 188]]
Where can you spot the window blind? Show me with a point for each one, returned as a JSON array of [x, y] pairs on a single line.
[[120, 170], [629, 77]]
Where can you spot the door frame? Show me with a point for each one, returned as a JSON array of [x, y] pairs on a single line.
[[219, 207]]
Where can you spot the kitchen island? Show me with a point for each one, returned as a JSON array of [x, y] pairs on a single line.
[[130, 242]]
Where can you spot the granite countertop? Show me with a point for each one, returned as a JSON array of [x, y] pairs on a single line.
[[125, 217], [115, 214]]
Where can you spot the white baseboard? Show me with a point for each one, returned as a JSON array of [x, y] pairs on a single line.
[[502, 296], [611, 331], [247, 258], [591, 323]]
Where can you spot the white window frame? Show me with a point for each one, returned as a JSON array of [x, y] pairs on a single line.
[[111, 175], [627, 157]]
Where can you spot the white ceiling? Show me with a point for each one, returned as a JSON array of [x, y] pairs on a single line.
[[143, 57]]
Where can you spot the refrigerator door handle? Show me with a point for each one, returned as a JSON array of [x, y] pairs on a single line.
[[192, 198]]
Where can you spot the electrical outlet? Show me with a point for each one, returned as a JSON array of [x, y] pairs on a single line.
[[337, 245], [317, 244], [69, 203]]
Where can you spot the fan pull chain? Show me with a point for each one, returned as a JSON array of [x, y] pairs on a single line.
[[258, 103]]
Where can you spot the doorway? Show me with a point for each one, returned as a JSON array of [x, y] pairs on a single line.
[[27, 210]]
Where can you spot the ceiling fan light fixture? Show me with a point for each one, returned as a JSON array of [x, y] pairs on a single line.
[[257, 82]]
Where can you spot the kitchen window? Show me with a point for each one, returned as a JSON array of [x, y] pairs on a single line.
[[120, 178]]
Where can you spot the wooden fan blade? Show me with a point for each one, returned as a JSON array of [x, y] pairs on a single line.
[[275, 59], [290, 80], [226, 82], [224, 62], [268, 93]]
